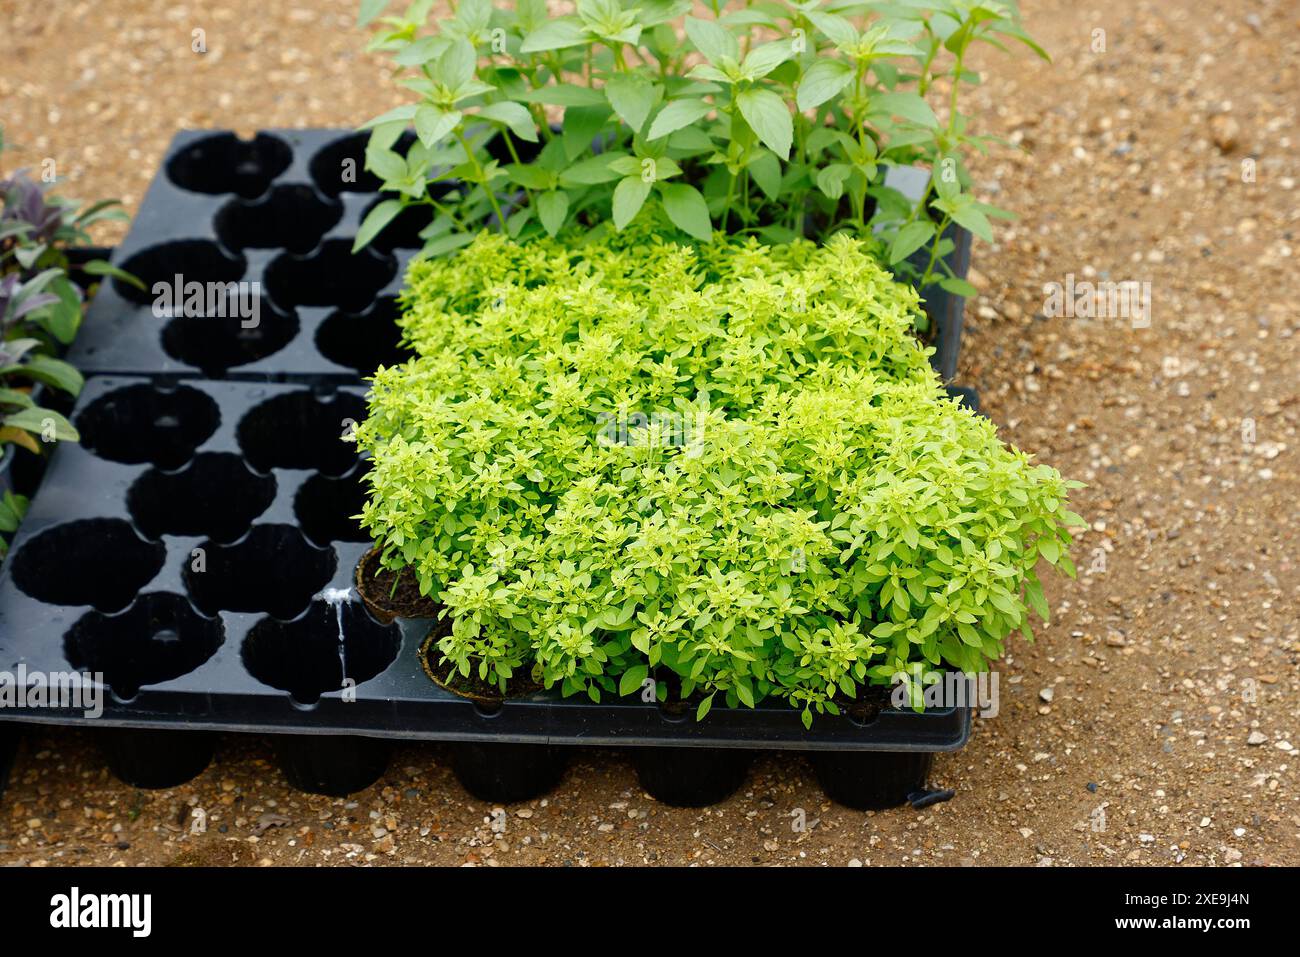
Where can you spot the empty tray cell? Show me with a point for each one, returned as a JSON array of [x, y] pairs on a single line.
[[289, 217], [247, 329], [143, 423], [185, 271], [95, 561], [364, 342], [312, 655], [272, 569], [216, 496], [223, 163], [331, 276], [499, 150], [340, 166], [159, 638], [326, 508], [301, 430]]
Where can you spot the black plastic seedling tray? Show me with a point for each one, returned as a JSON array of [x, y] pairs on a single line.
[[280, 210], [255, 483], [193, 549], [945, 310]]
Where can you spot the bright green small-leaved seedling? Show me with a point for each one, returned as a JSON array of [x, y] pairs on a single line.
[[730, 461]]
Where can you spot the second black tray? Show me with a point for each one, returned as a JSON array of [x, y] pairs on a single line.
[[197, 553]]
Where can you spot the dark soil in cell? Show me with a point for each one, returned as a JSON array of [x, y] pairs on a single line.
[[390, 594], [445, 675]]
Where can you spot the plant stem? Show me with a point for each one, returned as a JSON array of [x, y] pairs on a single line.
[[514, 154], [934, 253], [929, 187], [726, 206], [482, 180], [444, 210]]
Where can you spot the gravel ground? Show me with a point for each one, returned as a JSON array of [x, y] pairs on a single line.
[[1154, 722]]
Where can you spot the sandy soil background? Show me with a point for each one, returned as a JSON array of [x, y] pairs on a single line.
[[1161, 703]]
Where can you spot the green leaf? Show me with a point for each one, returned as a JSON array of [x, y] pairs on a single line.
[[1073, 519], [387, 165], [421, 51], [769, 117], [558, 34], [958, 287], [830, 179], [632, 96], [102, 267], [838, 30], [1034, 596], [766, 170], [687, 209], [473, 15], [432, 124], [447, 243], [702, 71], [712, 39], [518, 220], [64, 319], [591, 171], [909, 106], [27, 255], [909, 239], [375, 221], [563, 94], [12, 509], [455, 66], [54, 372], [632, 679], [762, 60], [691, 140], [36, 420], [404, 114], [704, 707], [15, 397], [530, 177], [677, 114], [629, 196], [947, 183], [821, 81], [970, 217], [369, 10], [744, 692], [582, 124], [513, 115], [552, 208], [1018, 33]]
